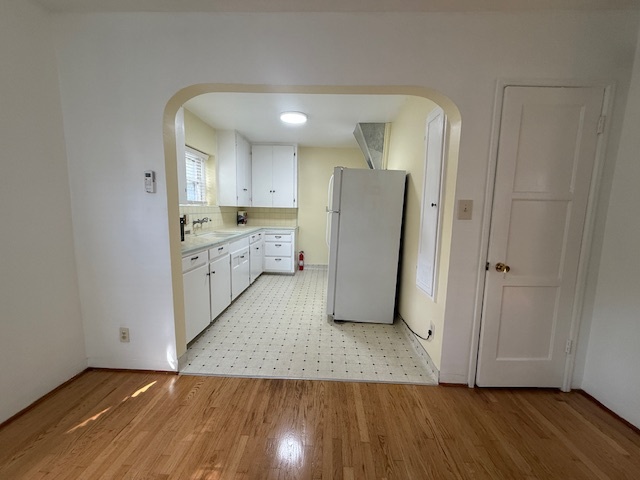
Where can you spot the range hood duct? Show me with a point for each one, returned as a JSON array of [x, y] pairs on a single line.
[[371, 138]]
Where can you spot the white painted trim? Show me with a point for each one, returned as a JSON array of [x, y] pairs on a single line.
[[454, 378], [587, 235], [422, 352], [501, 84], [436, 112], [484, 235]]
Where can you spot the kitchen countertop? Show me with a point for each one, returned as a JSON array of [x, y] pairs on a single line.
[[205, 240]]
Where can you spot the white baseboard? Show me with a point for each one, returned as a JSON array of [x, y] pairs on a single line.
[[457, 378], [131, 364], [421, 351]]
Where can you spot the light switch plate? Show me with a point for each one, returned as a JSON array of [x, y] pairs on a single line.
[[465, 209]]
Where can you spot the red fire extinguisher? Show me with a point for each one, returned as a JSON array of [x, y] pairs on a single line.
[[301, 260]]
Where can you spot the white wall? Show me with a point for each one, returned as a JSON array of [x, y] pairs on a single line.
[[613, 357], [407, 152], [118, 71], [41, 339], [315, 167]]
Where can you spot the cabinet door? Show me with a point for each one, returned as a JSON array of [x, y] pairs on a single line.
[[196, 301], [256, 260], [283, 176], [245, 268], [243, 168], [261, 169], [240, 272], [226, 169], [220, 285]]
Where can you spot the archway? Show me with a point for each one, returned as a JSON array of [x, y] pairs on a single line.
[[411, 302]]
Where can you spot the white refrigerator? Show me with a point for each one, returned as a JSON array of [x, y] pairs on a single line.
[[364, 222]]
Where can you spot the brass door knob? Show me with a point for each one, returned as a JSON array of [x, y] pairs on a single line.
[[502, 268]]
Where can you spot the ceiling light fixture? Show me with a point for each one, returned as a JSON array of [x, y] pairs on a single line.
[[293, 118]]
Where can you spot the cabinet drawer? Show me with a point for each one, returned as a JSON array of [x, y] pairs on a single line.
[[218, 251], [256, 237], [277, 237], [238, 244], [194, 260], [239, 257], [277, 264], [277, 249]]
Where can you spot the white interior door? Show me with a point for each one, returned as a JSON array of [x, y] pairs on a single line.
[[546, 154]]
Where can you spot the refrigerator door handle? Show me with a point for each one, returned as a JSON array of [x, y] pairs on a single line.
[[330, 193], [327, 231]]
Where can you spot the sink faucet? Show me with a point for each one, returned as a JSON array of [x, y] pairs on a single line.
[[199, 221]]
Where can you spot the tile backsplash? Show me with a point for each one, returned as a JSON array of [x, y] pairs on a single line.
[[226, 217], [276, 217]]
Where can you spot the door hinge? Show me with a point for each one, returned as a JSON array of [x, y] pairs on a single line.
[[601, 122], [568, 347], [486, 267]]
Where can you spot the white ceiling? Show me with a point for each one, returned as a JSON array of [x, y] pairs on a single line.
[[332, 118], [330, 5]]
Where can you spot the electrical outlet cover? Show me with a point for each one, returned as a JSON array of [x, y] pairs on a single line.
[[465, 209]]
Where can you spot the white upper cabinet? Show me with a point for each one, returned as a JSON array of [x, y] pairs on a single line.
[[261, 168], [275, 176], [233, 170]]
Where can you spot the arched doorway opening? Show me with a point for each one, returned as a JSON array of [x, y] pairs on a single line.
[[420, 313]]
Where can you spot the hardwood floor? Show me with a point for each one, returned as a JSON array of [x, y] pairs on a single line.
[[121, 425]]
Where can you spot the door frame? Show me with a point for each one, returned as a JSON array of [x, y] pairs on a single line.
[[587, 234]]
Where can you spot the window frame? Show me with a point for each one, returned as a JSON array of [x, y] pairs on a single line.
[[202, 185]]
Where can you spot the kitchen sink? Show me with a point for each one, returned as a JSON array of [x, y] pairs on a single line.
[[214, 234]]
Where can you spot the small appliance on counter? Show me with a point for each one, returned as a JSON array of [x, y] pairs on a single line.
[[242, 217]]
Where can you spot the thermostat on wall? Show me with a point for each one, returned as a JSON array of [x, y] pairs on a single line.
[[150, 181]]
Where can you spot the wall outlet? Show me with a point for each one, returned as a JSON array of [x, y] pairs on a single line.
[[124, 334], [432, 330]]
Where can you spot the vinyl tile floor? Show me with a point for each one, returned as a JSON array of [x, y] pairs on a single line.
[[278, 328]]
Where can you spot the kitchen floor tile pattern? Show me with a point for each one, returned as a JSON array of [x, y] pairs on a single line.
[[278, 329]]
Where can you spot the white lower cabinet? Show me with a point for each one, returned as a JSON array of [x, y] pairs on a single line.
[[280, 251], [213, 279], [196, 300], [220, 285], [240, 272], [256, 257]]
